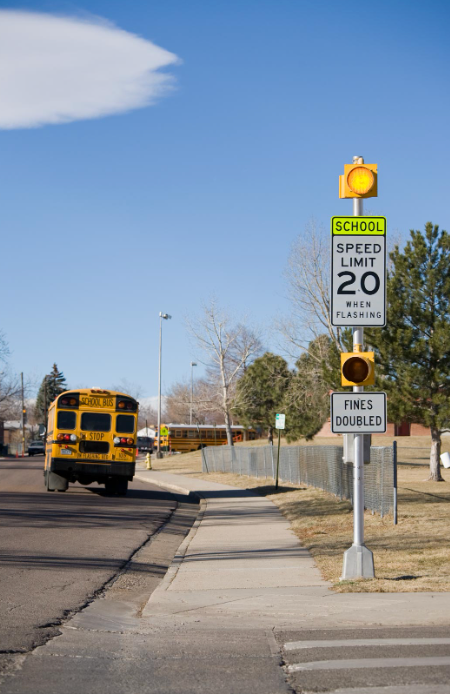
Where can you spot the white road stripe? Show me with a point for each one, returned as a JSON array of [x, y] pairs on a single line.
[[359, 664], [300, 645]]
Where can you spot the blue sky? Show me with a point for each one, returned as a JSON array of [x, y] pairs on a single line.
[[106, 222]]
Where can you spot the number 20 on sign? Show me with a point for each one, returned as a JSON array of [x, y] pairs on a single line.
[[358, 271]]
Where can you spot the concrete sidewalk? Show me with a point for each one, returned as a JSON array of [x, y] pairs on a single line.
[[241, 562], [239, 612]]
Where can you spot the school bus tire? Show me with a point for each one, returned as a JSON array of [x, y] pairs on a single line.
[[117, 486], [54, 482], [121, 487]]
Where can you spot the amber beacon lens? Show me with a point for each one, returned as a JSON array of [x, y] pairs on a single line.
[[360, 180], [356, 369]]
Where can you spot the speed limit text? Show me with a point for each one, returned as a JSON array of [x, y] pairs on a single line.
[[358, 254]]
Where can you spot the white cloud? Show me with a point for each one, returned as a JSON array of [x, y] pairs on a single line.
[[59, 69]]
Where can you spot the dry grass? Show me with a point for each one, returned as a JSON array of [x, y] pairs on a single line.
[[417, 549]]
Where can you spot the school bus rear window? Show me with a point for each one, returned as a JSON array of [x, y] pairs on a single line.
[[95, 421], [66, 420], [125, 424]]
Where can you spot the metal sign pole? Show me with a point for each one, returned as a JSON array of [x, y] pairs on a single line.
[[278, 458], [394, 462], [358, 560]]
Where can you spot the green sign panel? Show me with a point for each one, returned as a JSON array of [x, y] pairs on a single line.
[[365, 226], [164, 431]]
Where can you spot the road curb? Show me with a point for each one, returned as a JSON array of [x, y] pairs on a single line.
[[182, 549], [165, 485]]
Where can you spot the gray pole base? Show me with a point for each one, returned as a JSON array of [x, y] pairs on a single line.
[[358, 563]]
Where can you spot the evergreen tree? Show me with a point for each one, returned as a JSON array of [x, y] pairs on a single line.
[[414, 347], [53, 384], [307, 401], [260, 392]]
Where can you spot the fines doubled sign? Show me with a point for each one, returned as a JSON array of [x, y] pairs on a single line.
[[358, 271], [358, 413]]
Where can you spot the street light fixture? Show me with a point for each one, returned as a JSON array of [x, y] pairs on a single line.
[[162, 316], [192, 390]]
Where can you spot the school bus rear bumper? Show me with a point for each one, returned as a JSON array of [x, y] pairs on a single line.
[[92, 468]]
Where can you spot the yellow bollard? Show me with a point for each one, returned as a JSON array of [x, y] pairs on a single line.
[[148, 461]]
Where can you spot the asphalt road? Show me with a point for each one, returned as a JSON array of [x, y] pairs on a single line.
[[58, 550]]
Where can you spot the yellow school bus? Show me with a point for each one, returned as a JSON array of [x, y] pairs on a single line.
[[91, 437], [183, 438]]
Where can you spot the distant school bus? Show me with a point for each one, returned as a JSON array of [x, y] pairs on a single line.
[[91, 437], [190, 437]]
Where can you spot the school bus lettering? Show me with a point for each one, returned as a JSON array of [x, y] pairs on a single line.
[[96, 402], [94, 436]]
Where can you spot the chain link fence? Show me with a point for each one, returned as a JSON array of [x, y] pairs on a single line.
[[315, 466]]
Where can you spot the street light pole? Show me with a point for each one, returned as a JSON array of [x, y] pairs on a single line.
[[192, 390], [23, 416], [162, 316]]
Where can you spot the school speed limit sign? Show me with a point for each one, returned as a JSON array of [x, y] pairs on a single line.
[[358, 271]]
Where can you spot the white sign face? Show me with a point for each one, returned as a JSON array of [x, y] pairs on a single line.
[[358, 413], [358, 271], [280, 420]]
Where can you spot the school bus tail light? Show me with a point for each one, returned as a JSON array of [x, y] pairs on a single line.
[[123, 441], [64, 438]]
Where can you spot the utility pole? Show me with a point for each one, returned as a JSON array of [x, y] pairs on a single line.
[[45, 403], [192, 391], [162, 316], [23, 416]]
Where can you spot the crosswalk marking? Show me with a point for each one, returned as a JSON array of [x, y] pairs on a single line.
[[341, 643], [354, 664]]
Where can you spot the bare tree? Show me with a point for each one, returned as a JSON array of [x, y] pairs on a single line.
[[147, 415], [129, 388], [229, 349], [177, 403], [10, 396], [308, 281], [4, 348]]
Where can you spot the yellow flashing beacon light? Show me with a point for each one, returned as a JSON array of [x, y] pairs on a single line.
[[357, 368], [359, 180]]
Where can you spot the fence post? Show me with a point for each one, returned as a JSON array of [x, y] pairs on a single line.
[[394, 462], [204, 459]]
